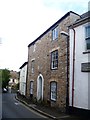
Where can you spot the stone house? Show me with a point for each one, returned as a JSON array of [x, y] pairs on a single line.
[[47, 64], [79, 93]]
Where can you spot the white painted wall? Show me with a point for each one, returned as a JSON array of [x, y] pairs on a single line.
[[23, 74], [81, 78]]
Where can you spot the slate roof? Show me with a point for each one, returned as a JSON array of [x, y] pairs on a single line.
[[87, 14]]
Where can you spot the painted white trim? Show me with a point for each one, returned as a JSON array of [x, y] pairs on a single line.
[[40, 75]]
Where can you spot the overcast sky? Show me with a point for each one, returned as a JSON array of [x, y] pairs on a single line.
[[22, 21]]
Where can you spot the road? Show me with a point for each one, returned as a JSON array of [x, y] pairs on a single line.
[[11, 108]]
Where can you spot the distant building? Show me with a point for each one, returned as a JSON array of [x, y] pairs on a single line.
[[80, 63], [47, 64], [23, 75], [14, 78]]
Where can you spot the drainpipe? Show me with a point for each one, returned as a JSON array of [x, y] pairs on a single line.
[[73, 67]]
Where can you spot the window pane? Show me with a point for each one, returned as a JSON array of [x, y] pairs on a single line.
[[88, 37], [34, 48], [32, 66], [53, 86], [54, 59], [55, 33], [53, 64], [53, 91], [57, 55], [87, 31], [53, 56], [88, 43], [56, 63], [31, 87]]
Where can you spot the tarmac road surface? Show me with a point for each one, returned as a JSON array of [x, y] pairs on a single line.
[[11, 108]]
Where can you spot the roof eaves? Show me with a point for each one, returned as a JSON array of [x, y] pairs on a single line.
[[23, 65]]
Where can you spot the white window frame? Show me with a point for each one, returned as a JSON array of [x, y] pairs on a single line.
[[55, 33], [54, 59], [53, 90]]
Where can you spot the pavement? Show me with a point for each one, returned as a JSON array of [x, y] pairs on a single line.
[[50, 112]]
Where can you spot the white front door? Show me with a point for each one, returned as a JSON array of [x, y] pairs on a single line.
[[40, 81]]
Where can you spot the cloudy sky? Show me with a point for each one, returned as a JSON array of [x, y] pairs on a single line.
[[22, 21]]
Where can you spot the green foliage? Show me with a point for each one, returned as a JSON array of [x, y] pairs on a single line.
[[16, 86], [5, 77]]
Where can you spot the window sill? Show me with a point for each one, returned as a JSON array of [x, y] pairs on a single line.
[[86, 52]]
